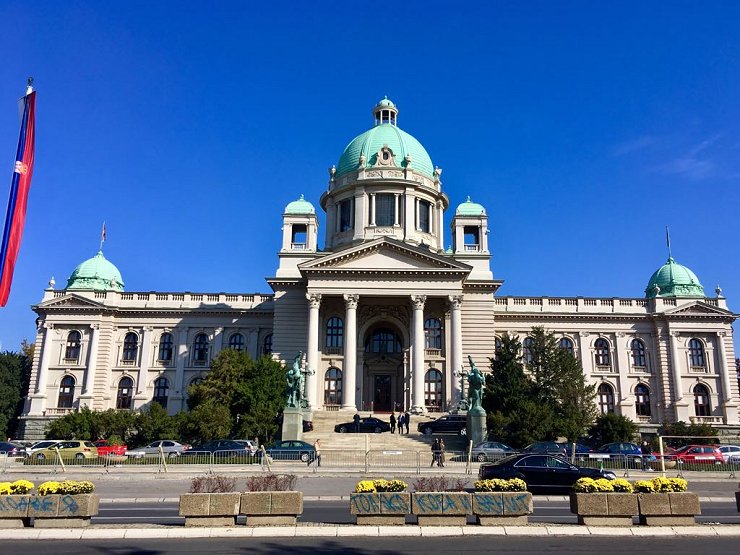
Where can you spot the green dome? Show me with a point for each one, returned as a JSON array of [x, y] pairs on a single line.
[[385, 103], [469, 208], [674, 280], [96, 273], [372, 140], [300, 206]]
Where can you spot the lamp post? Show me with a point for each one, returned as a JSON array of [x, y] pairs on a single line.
[[305, 372], [462, 404]]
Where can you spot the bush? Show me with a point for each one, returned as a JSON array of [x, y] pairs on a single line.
[[439, 483], [589, 485], [497, 484], [19, 487], [661, 485], [380, 486], [272, 482], [212, 484], [67, 487], [610, 428], [621, 485]]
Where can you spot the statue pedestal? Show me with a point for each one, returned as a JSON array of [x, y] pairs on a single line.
[[477, 431], [292, 423]]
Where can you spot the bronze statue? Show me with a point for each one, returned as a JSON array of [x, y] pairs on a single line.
[[294, 379], [475, 387]]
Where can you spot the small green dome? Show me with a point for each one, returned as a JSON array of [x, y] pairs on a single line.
[[470, 208], [96, 273], [385, 103], [674, 280], [300, 206]]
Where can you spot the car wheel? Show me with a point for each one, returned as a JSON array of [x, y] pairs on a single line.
[[79, 456], [40, 456], [377, 429], [304, 457], [426, 430], [342, 429], [481, 458], [172, 455], [463, 431]]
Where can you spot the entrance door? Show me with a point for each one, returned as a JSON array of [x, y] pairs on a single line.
[[382, 393]]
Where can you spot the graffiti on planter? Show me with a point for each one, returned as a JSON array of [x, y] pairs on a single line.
[[68, 505], [377, 504], [498, 504], [440, 503], [43, 505], [13, 503]]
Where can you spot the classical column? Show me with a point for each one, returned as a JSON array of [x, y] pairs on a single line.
[[621, 346], [456, 354], [253, 343], [397, 211], [417, 357], [218, 342], [38, 399], [312, 356], [182, 355], [92, 362], [440, 225], [349, 374], [146, 356], [726, 385], [372, 208], [675, 368]]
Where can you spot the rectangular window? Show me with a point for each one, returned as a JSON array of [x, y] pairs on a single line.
[[299, 232], [471, 238], [385, 210], [345, 215], [424, 209]]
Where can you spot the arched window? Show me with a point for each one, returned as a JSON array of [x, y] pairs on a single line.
[[130, 347], [66, 392], [333, 386], [72, 350], [527, 354], [125, 393], [383, 340], [267, 345], [642, 402], [161, 391], [702, 406], [606, 398], [566, 344], [432, 334], [638, 354], [200, 348], [433, 388], [696, 353], [165, 347], [236, 342], [334, 333], [603, 358]]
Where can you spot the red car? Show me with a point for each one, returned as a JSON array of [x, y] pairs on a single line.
[[106, 450], [698, 454]]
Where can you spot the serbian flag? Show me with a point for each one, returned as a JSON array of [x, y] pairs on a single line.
[[19, 186]]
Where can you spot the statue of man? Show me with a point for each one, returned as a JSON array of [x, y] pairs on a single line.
[[475, 387], [294, 380]]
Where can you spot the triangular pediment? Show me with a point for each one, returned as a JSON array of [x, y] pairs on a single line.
[[385, 255], [70, 300], [698, 308]]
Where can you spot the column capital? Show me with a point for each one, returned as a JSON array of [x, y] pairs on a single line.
[[47, 325], [351, 300], [314, 300], [418, 301], [721, 334], [95, 326], [149, 328], [455, 301], [583, 334]]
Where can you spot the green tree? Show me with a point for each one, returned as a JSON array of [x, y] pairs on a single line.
[[209, 420], [691, 434], [153, 423], [92, 425], [610, 428], [15, 374]]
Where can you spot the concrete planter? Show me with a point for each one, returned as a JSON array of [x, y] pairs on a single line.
[[14, 510], [209, 509], [387, 508], [604, 509], [502, 508], [62, 510], [441, 508], [271, 508], [668, 509]]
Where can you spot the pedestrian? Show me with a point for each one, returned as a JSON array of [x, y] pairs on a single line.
[[441, 456], [435, 453], [393, 423], [317, 452], [406, 420], [356, 420], [400, 422], [647, 454]]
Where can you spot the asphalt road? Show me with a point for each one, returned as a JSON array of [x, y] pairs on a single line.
[[675, 545]]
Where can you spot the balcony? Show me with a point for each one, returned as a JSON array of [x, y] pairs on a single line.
[[706, 420], [433, 353], [59, 411]]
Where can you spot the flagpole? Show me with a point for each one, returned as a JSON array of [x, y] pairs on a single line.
[[102, 237], [668, 240]]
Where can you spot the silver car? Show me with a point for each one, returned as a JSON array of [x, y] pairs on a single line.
[[41, 445], [731, 453], [490, 451], [170, 448]]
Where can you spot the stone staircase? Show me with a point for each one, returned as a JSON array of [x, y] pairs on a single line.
[[323, 429]]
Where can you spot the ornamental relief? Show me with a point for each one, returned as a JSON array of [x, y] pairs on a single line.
[[400, 313]]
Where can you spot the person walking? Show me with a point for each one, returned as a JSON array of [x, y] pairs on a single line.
[[647, 454], [441, 454], [393, 423], [400, 422], [406, 420], [317, 449], [435, 453], [356, 420]]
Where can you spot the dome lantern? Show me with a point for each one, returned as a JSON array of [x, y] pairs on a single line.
[[385, 112]]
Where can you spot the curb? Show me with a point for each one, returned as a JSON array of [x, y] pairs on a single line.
[[96, 533]]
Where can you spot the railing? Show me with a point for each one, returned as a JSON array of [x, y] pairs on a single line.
[[59, 411], [433, 352], [706, 419]]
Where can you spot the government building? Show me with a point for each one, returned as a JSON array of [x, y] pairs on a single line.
[[385, 314]]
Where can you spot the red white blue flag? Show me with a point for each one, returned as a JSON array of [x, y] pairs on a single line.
[[15, 217]]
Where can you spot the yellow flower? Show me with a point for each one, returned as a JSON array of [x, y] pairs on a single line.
[[622, 486]]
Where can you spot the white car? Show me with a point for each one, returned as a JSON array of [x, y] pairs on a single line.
[[170, 448], [40, 445], [731, 453]]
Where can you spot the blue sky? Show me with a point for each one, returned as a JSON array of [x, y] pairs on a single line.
[[583, 128]]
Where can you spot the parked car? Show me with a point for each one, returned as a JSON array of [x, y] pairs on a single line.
[[545, 447], [730, 453], [292, 450], [107, 450], [219, 448], [447, 424], [541, 471], [12, 449], [698, 454], [170, 448], [249, 444], [623, 451], [581, 451], [41, 445], [490, 451], [369, 424], [74, 449]]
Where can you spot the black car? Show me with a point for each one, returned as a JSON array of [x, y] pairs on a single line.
[[540, 471], [12, 449], [447, 424], [545, 448], [292, 450], [369, 424], [219, 448]]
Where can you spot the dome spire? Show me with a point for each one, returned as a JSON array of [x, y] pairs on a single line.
[[668, 242], [385, 112]]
